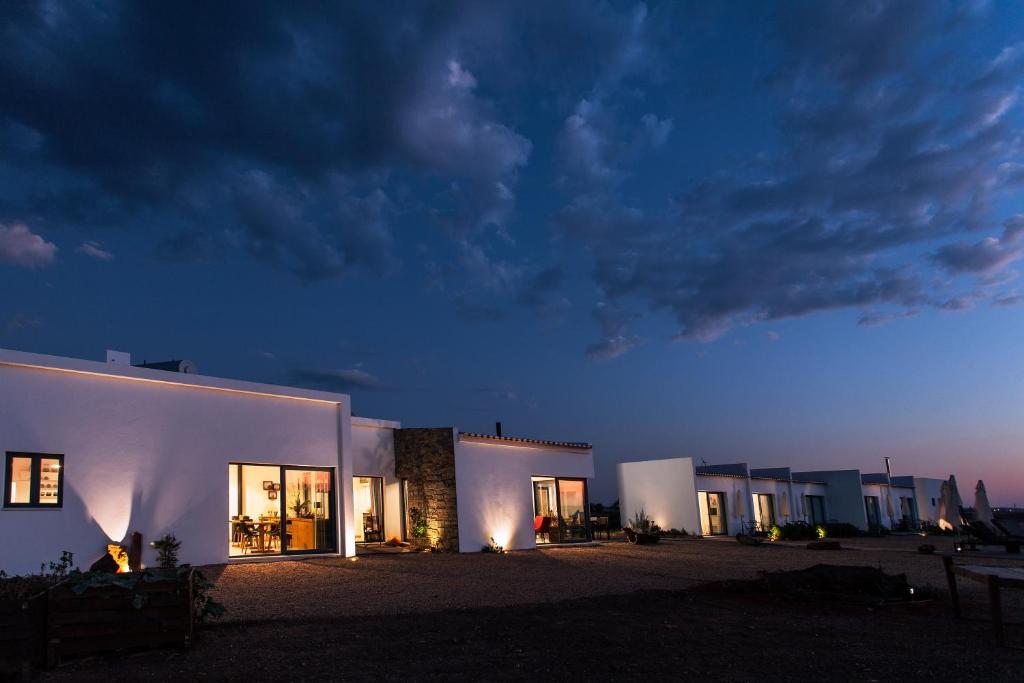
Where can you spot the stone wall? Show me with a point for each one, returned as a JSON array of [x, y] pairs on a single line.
[[425, 458]]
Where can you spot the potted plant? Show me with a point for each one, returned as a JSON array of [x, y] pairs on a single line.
[[642, 530]]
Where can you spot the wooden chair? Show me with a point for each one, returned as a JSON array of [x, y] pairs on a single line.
[[249, 535], [371, 528]]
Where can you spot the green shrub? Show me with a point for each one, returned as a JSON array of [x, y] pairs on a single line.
[[840, 530], [643, 524], [167, 551], [419, 523]]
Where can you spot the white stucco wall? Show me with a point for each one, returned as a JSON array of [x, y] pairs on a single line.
[[882, 491], [148, 450], [801, 489], [844, 497], [495, 492], [373, 455], [927, 490], [729, 486], [664, 489], [774, 488]]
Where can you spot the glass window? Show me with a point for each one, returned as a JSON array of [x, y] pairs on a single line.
[[34, 480], [560, 510], [278, 509], [309, 525], [254, 499], [572, 502]]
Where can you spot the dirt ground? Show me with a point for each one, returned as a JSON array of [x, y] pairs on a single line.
[[612, 612]]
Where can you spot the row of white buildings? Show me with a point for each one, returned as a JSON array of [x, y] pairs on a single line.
[[237, 471], [735, 498]]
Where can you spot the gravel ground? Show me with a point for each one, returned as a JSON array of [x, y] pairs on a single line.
[[402, 583], [608, 612]]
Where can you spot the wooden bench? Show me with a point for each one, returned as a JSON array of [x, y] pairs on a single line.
[[995, 578]]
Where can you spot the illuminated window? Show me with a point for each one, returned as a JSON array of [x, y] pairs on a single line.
[[34, 480]]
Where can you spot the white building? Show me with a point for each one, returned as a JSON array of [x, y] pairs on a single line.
[[239, 470], [734, 498]]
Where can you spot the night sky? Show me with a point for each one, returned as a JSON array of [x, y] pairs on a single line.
[[781, 234]]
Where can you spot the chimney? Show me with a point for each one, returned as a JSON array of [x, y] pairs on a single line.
[[119, 358], [497, 429]]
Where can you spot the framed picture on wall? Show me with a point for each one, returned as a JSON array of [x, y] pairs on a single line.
[[277, 487], [268, 486], [272, 495]]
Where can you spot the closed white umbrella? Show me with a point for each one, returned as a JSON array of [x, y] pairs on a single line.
[[889, 509], [982, 509], [955, 502], [942, 513], [741, 508], [785, 505]]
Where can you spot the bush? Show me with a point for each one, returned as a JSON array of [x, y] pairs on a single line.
[[167, 551], [18, 588], [419, 523], [642, 524], [840, 530], [493, 547]]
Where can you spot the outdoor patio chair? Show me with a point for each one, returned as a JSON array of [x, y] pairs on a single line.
[[986, 536], [542, 527], [371, 528]]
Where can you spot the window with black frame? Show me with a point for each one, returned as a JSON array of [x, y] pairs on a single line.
[[816, 509], [34, 480]]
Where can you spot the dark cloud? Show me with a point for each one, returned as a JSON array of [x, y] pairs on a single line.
[[882, 154], [990, 255], [1008, 300], [146, 109], [543, 294], [331, 379], [614, 340]]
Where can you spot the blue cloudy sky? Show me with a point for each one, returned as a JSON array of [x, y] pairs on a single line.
[[781, 234]]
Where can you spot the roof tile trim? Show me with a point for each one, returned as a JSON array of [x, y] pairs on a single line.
[[537, 442]]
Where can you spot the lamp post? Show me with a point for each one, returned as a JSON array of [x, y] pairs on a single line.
[[890, 505]]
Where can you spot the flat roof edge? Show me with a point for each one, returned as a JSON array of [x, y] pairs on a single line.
[[38, 361]]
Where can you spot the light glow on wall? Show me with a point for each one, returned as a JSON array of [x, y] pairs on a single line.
[[111, 509], [502, 536]]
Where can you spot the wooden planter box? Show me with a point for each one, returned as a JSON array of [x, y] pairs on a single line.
[[22, 635], [149, 614]]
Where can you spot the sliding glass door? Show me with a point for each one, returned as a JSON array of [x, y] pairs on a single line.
[[712, 513], [764, 511], [309, 522], [816, 509], [560, 510], [277, 509], [368, 499]]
